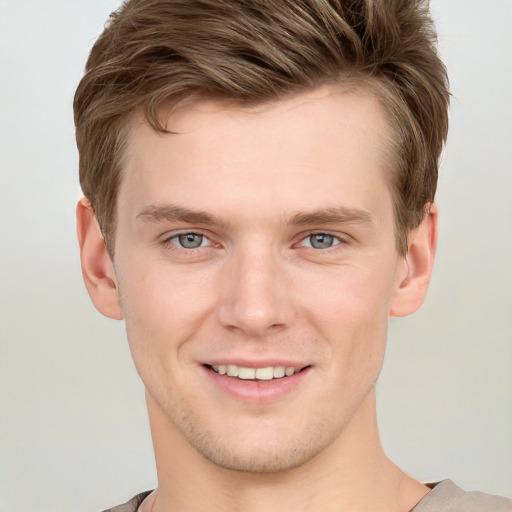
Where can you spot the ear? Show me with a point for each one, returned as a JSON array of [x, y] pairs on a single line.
[[417, 264], [97, 268]]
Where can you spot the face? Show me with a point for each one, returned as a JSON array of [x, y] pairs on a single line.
[[256, 267]]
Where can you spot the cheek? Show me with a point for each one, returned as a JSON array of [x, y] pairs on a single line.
[[349, 298], [350, 309], [162, 309]]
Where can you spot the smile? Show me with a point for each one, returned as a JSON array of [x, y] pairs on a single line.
[[245, 373], [257, 385]]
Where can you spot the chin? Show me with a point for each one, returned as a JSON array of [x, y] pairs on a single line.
[[258, 462], [262, 450]]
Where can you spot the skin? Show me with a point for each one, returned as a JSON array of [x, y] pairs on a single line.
[[266, 181]]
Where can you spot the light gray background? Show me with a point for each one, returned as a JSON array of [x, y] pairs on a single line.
[[74, 434]]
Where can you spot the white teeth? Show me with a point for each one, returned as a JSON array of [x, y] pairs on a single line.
[[232, 370], [265, 373], [245, 373], [279, 371]]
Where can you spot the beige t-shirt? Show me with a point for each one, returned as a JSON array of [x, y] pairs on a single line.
[[445, 496]]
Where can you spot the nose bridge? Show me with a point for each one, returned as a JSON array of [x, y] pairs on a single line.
[[254, 296]]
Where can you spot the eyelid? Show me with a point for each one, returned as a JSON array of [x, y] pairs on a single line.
[[176, 240], [167, 238], [341, 237]]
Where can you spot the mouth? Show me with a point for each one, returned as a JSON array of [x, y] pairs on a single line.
[[266, 373], [258, 385]]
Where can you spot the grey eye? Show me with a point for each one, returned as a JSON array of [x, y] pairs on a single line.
[[190, 240], [321, 241]]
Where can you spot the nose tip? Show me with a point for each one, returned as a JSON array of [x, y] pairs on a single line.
[[255, 318], [254, 297]]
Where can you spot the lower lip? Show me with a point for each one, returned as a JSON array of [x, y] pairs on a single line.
[[256, 392]]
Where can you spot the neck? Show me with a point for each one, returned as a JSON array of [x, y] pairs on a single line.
[[352, 474]]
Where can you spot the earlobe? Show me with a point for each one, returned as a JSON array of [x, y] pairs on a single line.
[[97, 268], [418, 263]]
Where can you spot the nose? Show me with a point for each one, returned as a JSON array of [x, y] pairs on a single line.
[[255, 294]]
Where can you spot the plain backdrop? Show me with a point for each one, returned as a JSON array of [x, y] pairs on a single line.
[[73, 427]]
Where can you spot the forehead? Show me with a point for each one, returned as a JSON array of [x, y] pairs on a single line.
[[327, 142]]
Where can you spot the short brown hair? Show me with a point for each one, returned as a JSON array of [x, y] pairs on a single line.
[[247, 52]]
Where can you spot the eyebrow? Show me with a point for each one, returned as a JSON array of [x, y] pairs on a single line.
[[340, 214], [172, 213]]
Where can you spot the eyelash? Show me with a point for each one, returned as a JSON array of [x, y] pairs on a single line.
[[336, 239], [167, 242]]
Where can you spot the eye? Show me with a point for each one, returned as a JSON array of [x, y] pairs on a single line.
[[320, 241], [189, 240]]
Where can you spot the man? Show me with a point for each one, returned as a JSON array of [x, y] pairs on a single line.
[[259, 180]]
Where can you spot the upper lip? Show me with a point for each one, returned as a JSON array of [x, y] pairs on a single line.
[[257, 364]]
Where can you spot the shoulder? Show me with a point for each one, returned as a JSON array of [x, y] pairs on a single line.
[[445, 496], [132, 505]]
